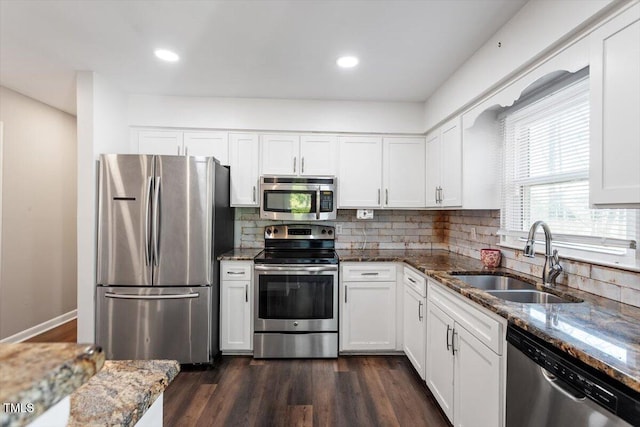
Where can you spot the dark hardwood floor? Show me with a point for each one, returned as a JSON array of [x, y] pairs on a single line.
[[64, 333], [349, 391]]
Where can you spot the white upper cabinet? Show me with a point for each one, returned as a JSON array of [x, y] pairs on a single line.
[[185, 143], [359, 172], [295, 155], [318, 155], [207, 143], [279, 154], [444, 165], [481, 159], [244, 149], [162, 142], [615, 112], [403, 172]]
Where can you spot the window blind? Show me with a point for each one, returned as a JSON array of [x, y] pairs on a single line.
[[546, 173]]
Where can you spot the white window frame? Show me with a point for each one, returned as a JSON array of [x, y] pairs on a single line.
[[604, 251]]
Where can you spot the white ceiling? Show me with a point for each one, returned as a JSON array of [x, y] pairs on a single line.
[[255, 48]]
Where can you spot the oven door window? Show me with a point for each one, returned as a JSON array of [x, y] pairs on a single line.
[[295, 297], [290, 201]]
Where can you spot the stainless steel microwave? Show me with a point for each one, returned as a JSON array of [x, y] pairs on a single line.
[[298, 198]]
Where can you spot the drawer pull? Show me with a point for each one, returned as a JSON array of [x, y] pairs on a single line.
[[370, 274]]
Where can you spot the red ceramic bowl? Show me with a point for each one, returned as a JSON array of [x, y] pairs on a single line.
[[490, 257]]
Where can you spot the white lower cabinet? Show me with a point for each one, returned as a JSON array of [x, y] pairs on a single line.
[[368, 307], [465, 367], [414, 312], [236, 313], [476, 382]]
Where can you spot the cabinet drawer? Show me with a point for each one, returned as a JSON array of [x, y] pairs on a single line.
[[369, 272], [236, 270], [486, 329], [415, 281]]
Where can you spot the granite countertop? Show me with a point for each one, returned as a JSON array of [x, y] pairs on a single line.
[[41, 375], [603, 333], [239, 255], [121, 393]]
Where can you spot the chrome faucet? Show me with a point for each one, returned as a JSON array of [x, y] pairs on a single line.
[[552, 267]]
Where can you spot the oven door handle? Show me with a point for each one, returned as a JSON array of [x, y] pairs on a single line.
[[311, 269]]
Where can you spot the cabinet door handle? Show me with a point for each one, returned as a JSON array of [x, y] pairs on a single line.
[[436, 194], [449, 328], [302, 165], [420, 311], [378, 196], [186, 150], [295, 159], [454, 350], [246, 293], [178, 149], [254, 193], [345, 293], [441, 194], [386, 196]]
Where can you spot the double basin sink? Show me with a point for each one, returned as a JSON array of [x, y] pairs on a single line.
[[512, 289]]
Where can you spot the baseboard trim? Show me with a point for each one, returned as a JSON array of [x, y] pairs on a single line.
[[42, 327]]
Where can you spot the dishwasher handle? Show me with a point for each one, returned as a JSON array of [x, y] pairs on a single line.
[[562, 387]]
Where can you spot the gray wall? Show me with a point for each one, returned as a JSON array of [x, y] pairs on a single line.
[[38, 265]]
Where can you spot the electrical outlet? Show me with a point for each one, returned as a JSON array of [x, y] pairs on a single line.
[[364, 214], [474, 235], [338, 229]]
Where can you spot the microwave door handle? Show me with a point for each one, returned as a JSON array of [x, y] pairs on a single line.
[[318, 203]]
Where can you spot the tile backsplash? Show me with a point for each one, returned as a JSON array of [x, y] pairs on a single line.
[[459, 231]]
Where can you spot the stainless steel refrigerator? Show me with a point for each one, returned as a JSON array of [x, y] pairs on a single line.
[[162, 221]]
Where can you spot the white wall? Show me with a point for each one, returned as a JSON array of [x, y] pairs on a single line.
[[538, 26], [38, 267], [102, 128], [276, 114]]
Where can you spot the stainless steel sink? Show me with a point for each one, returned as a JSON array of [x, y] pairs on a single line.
[[494, 282], [530, 297]]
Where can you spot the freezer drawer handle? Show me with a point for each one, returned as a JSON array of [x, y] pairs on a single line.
[[152, 297]]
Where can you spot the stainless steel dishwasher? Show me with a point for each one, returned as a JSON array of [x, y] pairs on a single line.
[[548, 388]]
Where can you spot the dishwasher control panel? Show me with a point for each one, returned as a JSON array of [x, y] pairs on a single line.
[[564, 367]]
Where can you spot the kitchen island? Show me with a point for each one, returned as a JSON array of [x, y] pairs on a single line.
[[76, 382], [35, 377]]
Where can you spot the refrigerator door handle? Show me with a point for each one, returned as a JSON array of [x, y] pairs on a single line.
[[156, 222], [147, 214], [151, 297]]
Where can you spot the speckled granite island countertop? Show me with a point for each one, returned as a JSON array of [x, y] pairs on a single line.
[[41, 375], [121, 393], [602, 333]]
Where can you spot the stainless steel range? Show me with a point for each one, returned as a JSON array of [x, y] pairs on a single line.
[[296, 295]]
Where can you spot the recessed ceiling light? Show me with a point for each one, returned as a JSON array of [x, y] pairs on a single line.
[[347, 61], [166, 55]]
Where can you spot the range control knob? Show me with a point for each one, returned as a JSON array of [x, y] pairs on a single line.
[[295, 323], [268, 231], [330, 232], [324, 231], [275, 231]]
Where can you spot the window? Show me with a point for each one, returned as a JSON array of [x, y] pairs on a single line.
[[546, 177]]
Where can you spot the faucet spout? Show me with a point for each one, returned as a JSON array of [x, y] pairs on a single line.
[[552, 267]]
